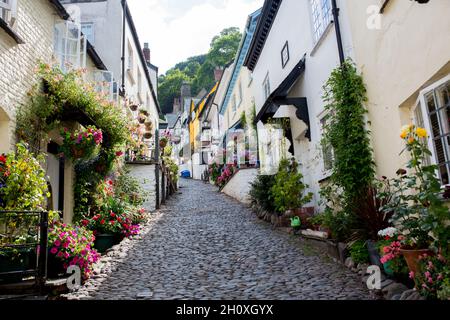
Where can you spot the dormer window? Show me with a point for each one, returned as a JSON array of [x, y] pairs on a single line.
[[8, 12]]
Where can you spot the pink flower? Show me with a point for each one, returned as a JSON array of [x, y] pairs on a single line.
[[57, 243], [54, 250], [411, 275], [427, 274]]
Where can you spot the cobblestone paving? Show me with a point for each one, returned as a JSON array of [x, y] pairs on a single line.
[[208, 246]]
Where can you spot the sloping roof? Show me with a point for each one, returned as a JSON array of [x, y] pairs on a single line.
[[171, 119], [247, 37], [268, 15], [283, 89]]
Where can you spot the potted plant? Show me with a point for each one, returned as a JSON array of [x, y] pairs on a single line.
[[148, 125], [133, 107], [70, 245], [148, 135], [143, 112], [163, 142], [288, 191], [416, 205], [142, 118], [80, 144]]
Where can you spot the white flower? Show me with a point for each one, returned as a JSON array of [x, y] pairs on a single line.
[[390, 232]]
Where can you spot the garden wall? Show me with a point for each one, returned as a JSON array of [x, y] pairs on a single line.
[[145, 173], [239, 186]]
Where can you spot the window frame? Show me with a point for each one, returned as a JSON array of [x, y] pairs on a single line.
[[10, 7], [319, 31], [422, 104], [92, 34]]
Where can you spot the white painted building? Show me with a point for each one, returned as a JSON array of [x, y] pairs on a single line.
[[291, 57], [102, 22], [40, 30]]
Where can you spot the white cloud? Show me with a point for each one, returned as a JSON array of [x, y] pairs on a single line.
[[178, 29]]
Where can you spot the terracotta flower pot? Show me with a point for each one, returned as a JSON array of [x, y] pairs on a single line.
[[148, 135], [133, 107], [412, 257]]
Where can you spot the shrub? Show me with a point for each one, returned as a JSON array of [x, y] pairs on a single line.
[[23, 184], [260, 192], [432, 276], [288, 190], [358, 251]]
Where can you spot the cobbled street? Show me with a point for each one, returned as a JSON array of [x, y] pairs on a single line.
[[208, 246]]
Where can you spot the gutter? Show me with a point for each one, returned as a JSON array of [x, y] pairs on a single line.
[[62, 12], [128, 17], [335, 11]]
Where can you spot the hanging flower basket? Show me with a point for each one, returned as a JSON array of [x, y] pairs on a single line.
[[81, 144], [144, 112], [133, 107], [148, 135], [148, 125], [163, 143], [142, 119]]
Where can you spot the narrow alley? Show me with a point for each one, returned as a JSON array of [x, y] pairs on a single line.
[[208, 246]]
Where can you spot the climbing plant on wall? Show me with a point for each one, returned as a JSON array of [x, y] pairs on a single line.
[[346, 131], [65, 97]]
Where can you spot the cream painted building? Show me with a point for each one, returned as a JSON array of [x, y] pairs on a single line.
[[405, 60], [39, 30]]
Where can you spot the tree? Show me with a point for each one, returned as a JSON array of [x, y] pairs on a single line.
[[169, 88], [199, 70]]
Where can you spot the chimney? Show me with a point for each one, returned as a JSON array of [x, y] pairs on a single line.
[[146, 52], [218, 72], [185, 90]]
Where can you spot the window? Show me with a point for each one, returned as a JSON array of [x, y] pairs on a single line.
[[321, 17], [88, 31], [240, 94], [233, 101], [327, 149], [266, 87], [130, 57], [69, 46], [8, 11], [285, 55], [437, 108]]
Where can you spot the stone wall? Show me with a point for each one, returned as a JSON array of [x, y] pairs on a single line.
[[35, 25], [239, 186]]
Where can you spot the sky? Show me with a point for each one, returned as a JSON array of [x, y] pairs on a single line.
[[179, 29]]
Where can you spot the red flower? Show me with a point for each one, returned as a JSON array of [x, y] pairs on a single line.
[[7, 174], [113, 215], [85, 222], [119, 153], [95, 218], [119, 219], [103, 221], [112, 222], [3, 158]]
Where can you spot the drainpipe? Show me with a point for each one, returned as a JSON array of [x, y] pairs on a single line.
[[338, 31], [124, 6]]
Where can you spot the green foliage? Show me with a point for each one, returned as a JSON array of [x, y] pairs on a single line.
[[260, 192], [288, 191], [419, 212], [199, 70], [128, 189], [243, 119], [169, 88], [353, 170], [338, 223], [358, 252], [62, 94], [433, 276], [23, 184], [81, 144]]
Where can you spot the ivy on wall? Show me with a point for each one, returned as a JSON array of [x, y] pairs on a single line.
[[353, 168], [66, 97]]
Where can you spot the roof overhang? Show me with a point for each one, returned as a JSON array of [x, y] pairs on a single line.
[[266, 20], [280, 97]]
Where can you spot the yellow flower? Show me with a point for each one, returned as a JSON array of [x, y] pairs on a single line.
[[405, 131], [421, 132], [411, 140]]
